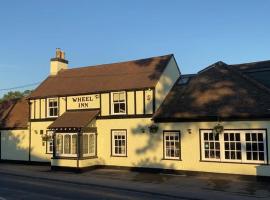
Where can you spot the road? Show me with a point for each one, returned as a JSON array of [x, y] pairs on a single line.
[[16, 187], [38, 182]]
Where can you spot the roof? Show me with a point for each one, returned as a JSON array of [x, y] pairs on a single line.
[[217, 93], [134, 74], [259, 71], [14, 114], [74, 119]]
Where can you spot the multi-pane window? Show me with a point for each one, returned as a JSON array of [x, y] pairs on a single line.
[[119, 103], [119, 143], [89, 144], [255, 146], [245, 146], [53, 107], [49, 145], [211, 145], [172, 145], [66, 144], [232, 146]]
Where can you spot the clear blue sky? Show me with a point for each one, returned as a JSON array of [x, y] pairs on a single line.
[[94, 32]]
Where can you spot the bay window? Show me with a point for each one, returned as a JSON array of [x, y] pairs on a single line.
[[66, 144], [243, 146], [89, 144]]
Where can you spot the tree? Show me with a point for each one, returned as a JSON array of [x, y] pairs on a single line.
[[14, 95]]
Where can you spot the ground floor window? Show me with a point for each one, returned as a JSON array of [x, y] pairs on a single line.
[[119, 142], [49, 142], [171, 140], [66, 144], [89, 144], [245, 146]]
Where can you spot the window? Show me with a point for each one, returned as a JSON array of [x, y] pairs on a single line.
[[89, 144], [244, 146], [211, 146], [119, 143], [53, 107], [118, 103], [171, 145], [66, 144], [232, 146], [49, 142], [255, 146]]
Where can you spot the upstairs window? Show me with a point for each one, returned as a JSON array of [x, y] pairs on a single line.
[[53, 107], [118, 103]]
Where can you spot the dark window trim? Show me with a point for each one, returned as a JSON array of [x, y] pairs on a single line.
[[34, 109], [39, 108], [100, 104], [112, 130], [135, 102], [164, 152], [154, 100], [125, 116], [144, 102], [236, 129]]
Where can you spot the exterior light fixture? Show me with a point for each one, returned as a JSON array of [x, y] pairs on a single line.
[[189, 130]]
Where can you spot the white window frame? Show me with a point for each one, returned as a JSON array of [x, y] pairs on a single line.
[[112, 103], [119, 133], [176, 147], [88, 144], [64, 154], [243, 146], [48, 107], [49, 143]]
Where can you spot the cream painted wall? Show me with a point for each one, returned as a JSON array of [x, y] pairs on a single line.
[[166, 81], [146, 149], [38, 147], [62, 105], [130, 103], [105, 104], [14, 144], [139, 102], [43, 106], [148, 101], [39, 109]]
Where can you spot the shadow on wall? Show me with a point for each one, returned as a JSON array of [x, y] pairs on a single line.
[[217, 93], [15, 146]]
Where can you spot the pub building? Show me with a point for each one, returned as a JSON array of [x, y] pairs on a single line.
[[143, 114]]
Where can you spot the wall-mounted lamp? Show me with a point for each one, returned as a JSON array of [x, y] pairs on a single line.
[[189, 130]]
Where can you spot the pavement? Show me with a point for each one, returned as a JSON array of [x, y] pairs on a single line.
[[39, 182]]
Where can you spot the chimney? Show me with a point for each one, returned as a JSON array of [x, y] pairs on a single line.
[[58, 62]]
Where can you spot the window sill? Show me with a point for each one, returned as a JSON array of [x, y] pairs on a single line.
[[177, 159], [232, 162], [119, 156]]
